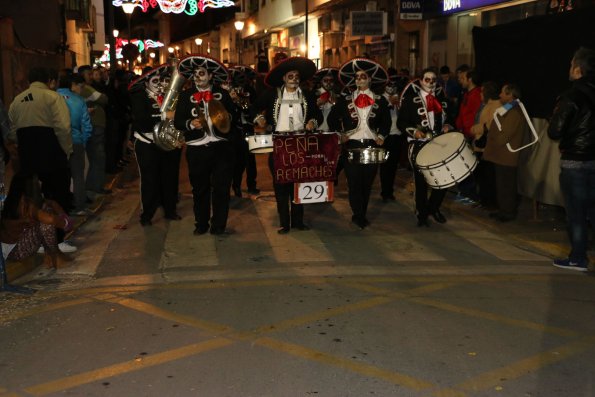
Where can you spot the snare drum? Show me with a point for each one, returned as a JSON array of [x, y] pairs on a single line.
[[446, 160], [260, 143], [369, 155]]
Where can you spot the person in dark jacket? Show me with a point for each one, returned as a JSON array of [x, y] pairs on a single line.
[[573, 124], [158, 168]]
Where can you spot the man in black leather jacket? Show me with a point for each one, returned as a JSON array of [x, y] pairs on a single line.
[[573, 123]]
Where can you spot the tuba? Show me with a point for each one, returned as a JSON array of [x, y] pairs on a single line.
[[165, 135]]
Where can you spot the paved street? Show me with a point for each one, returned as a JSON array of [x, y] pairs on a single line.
[[469, 308]]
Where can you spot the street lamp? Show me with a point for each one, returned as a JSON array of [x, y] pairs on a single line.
[[116, 32], [239, 25], [198, 42]]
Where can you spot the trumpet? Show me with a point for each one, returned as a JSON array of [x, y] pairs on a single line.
[[240, 97]]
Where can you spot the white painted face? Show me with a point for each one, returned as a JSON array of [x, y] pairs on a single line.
[[202, 78], [390, 89], [428, 82], [328, 83], [157, 85], [292, 79], [362, 80], [175, 6]]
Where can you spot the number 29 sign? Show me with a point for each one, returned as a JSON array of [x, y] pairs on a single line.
[[313, 192]]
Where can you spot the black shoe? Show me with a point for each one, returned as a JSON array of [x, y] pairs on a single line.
[[173, 217], [237, 191], [301, 227], [360, 223], [422, 221], [494, 215], [283, 230], [505, 218], [438, 217], [146, 222], [253, 190], [220, 232], [199, 231], [388, 198]]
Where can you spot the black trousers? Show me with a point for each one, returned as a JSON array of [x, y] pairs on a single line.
[[360, 178], [245, 161], [210, 169], [290, 214], [506, 190], [423, 205], [388, 170], [159, 177]]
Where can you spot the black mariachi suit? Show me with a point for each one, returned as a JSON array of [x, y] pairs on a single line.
[[159, 169], [394, 144], [270, 102], [244, 159], [360, 177], [413, 115], [210, 163]]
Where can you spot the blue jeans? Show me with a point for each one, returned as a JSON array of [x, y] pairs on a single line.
[[578, 189]]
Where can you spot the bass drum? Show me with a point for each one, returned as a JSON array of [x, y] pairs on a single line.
[[446, 160]]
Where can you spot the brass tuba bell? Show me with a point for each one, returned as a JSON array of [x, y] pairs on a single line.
[[165, 135]]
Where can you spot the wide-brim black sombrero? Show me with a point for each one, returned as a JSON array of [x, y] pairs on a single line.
[[377, 74], [190, 63], [304, 66], [161, 70], [324, 72], [247, 70]]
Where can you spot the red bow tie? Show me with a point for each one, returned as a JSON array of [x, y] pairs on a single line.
[[160, 100], [203, 96], [432, 104], [325, 96], [363, 101]]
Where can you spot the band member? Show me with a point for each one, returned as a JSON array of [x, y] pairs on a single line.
[[423, 115], [328, 79], [243, 94], [394, 142], [284, 109], [207, 114], [364, 119], [159, 169]]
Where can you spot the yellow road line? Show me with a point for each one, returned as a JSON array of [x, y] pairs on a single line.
[[346, 364], [494, 317], [128, 366], [308, 318], [168, 315], [523, 367], [46, 308]]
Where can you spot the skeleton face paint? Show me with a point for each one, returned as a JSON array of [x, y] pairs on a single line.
[[428, 82], [362, 81], [390, 89], [157, 85], [202, 78], [328, 83], [292, 79]]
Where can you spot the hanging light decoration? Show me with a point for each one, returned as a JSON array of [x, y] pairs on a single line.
[[142, 46], [189, 7]]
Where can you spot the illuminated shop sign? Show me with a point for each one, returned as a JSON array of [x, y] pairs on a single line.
[[452, 6]]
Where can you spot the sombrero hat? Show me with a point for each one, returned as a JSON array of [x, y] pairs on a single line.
[[161, 70], [189, 64], [304, 66], [377, 74], [247, 70], [324, 72]]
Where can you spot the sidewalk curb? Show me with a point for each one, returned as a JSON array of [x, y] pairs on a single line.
[[17, 269]]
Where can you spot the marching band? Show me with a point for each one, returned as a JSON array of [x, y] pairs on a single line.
[[224, 123]]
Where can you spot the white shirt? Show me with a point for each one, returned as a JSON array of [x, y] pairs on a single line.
[[290, 117], [326, 109], [393, 116], [424, 94], [363, 131]]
